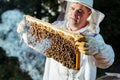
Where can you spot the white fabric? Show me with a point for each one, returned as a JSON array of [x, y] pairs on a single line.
[[56, 71], [88, 3], [94, 20]]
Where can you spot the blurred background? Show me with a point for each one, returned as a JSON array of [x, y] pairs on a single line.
[[19, 62]]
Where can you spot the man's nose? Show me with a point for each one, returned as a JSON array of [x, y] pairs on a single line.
[[75, 13]]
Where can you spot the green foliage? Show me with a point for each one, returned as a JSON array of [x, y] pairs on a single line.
[[37, 8]]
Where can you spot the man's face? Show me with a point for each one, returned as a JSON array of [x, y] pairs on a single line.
[[77, 16]]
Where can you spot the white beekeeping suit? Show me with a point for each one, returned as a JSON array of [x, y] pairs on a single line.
[[102, 56]]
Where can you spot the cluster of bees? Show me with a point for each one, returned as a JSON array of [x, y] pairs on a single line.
[[62, 50]]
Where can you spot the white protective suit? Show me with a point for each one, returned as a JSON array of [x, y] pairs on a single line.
[[103, 59]]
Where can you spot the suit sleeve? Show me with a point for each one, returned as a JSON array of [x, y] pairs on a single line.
[[105, 56]]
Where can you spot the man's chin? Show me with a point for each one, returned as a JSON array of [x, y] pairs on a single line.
[[72, 21], [72, 27], [73, 24]]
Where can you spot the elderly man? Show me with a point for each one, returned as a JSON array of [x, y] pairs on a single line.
[[81, 17]]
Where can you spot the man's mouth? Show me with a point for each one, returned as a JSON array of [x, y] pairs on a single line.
[[74, 19]]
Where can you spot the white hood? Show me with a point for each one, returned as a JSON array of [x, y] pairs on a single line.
[[94, 19], [88, 3]]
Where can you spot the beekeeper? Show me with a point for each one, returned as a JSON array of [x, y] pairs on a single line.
[[81, 17]]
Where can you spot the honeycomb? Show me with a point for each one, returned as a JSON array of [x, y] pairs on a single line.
[[63, 47]]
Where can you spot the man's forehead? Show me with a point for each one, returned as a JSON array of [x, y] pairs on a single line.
[[77, 4]]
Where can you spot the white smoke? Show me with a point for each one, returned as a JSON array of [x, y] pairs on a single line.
[[30, 60]]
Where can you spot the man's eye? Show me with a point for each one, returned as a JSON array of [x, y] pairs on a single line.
[[80, 11]]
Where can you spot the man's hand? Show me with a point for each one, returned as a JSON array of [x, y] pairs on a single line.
[[20, 27], [87, 45]]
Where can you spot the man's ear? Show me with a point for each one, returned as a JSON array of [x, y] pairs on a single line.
[[89, 12]]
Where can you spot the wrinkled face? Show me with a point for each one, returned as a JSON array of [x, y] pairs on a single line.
[[77, 16]]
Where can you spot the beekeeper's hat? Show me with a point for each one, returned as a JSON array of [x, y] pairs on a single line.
[[88, 3]]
